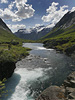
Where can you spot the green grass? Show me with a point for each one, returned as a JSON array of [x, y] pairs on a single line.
[[6, 36], [58, 35], [15, 53]]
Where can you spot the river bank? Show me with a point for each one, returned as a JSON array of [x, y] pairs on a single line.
[[62, 46], [10, 53], [36, 72], [64, 92]]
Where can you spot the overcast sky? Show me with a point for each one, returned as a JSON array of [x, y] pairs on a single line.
[[30, 13]]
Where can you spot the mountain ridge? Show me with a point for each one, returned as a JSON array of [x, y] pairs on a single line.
[[33, 33], [62, 36], [6, 34], [65, 22], [4, 26]]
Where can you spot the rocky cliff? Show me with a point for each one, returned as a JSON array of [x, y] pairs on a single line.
[[64, 92]]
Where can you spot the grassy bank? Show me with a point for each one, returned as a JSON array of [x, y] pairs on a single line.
[[9, 55], [12, 52]]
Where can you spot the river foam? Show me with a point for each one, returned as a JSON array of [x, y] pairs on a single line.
[[23, 89]]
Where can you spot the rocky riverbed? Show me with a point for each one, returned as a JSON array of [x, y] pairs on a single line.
[[33, 61], [64, 92]]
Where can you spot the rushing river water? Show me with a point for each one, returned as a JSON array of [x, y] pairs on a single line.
[[44, 67]]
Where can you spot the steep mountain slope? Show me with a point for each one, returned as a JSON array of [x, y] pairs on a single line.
[[4, 26], [62, 25], [33, 33], [62, 36], [5, 33]]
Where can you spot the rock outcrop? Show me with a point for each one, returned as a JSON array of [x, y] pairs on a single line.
[[70, 50], [6, 69], [64, 92]]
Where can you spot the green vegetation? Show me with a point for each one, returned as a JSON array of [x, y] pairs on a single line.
[[6, 36], [60, 38], [13, 54], [11, 51], [59, 32], [8, 58], [10, 45], [2, 88]]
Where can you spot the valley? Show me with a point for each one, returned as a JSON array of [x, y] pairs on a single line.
[[33, 59]]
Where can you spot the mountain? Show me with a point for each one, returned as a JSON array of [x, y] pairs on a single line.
[[4, 26], [62, 36], [11, 51], [5, 33], [65, 23], [33, 33]]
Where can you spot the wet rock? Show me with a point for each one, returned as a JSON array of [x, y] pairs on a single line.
[[64, 92], [45, 59], [67, 83], [70, 82], [69, 90], [72, 95], [70, 50], [52, 93], [71, 76], [32, 61]]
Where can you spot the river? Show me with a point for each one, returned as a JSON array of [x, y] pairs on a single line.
[[42, 68]]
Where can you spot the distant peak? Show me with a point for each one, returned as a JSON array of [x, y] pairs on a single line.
[[72, 10]]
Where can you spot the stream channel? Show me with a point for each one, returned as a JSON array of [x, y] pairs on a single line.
[[42, 68]]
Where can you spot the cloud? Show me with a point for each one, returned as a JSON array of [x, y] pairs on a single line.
[[22, 11], [25, 11], [11, 5], [7, 14], [16, 27], [4, 1], [37, 25], [53, 14], [73, 9]]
